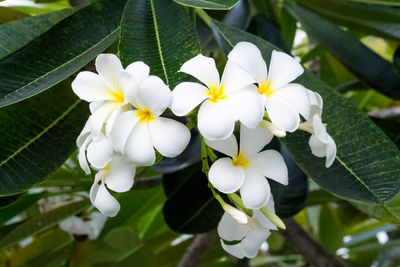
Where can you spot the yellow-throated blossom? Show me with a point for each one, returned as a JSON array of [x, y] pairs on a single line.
[[246, 169], [89, 227], [284, 101], [137, 132], [223, 102]]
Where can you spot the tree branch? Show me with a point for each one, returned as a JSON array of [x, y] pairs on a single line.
[[147, 182], [311, 250], [198, 249]]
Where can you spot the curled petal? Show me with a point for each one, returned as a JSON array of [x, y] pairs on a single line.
[[225, 177], [252, 242], [330, 153], [320, 129], [318, 148], [215, 120], [139, 146], [282, 115], [203, 68], [230, 230], [249, 57], [139, 70], [100, 116], [270, 163], [82, 155], [255, 191], [91, 87], [226, 146], [120, 175], [283, 69], [169, 137], [234, 250], [108, 66], [100, 152], [105, 202], [253, 140], [296, 96], [186, 96], [84, 134], [154, 95]]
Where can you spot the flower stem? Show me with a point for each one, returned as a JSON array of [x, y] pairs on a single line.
[[204, 16], [273, 217], [239, 203]]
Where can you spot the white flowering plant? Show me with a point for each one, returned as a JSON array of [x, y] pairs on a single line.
[[149, 131]]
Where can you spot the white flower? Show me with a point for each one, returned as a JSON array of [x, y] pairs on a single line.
[[99, 148], [250, 235], [118, 175], [223, 102], [284, 101], [321, 143], [91, 227], [247, 170], [137, 132], [109, 91]]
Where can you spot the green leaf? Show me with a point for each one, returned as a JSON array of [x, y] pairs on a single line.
[[60, 51], [17, 34], [8, 14], [379, 2], [359, 59], [22, 204], [396, 59], [190, 207], [209, 4], [367, 164], [150, 33], [330, 230], [38, 135], [42, 222], [374, 19]]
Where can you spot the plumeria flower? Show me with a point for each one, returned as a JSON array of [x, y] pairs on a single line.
[[246, 170], [222, 101], [321, 143], [284, 101], [137, 132], [90, 227], [250, 235], [99, 148], [118, 176], [111, 90]]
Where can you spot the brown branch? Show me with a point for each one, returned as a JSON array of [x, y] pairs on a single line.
[[198, 249], [147, 182], [311, 250]]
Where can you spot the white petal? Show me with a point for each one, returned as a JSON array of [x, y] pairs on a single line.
[[82, 155], [108, 66], [97, 221], [234, 250], [95, 186], [186, 96], [128, 85], [330, 153], [111, 119], [297, 97], [253, 140], [203, 68], [249, 57], [215, 120], [270, 163], [120, 174], [169, 137], [105, 202], [230, 230], [320, 129], [139, 71], [91, 87], [139, 146], [100, 116], [252, 242], [225, 177], [154, 95], [84, 134], [283, 69], [282, 115], [122, 128], [318, 148], [226, 146], [100, 152], [235, 78], [95, 105], [247, 106], [255, 191], [315, 98]]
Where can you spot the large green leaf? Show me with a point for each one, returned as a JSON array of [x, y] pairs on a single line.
[[17, 34], [60, 51], [367, 165], [359, 59], [379, 2], [375, 19], [42, 222], [38, 135], [209, 4], [190, 206], [159, 33]]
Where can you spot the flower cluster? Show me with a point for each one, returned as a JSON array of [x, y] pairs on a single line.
[[125, 128]]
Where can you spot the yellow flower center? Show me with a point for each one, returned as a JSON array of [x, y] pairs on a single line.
[[216, 93], [240, 161], [118, 96], [145, 115], [265, 88]]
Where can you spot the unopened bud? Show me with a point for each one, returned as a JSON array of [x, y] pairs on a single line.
[[272, 128], [236, 214]]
